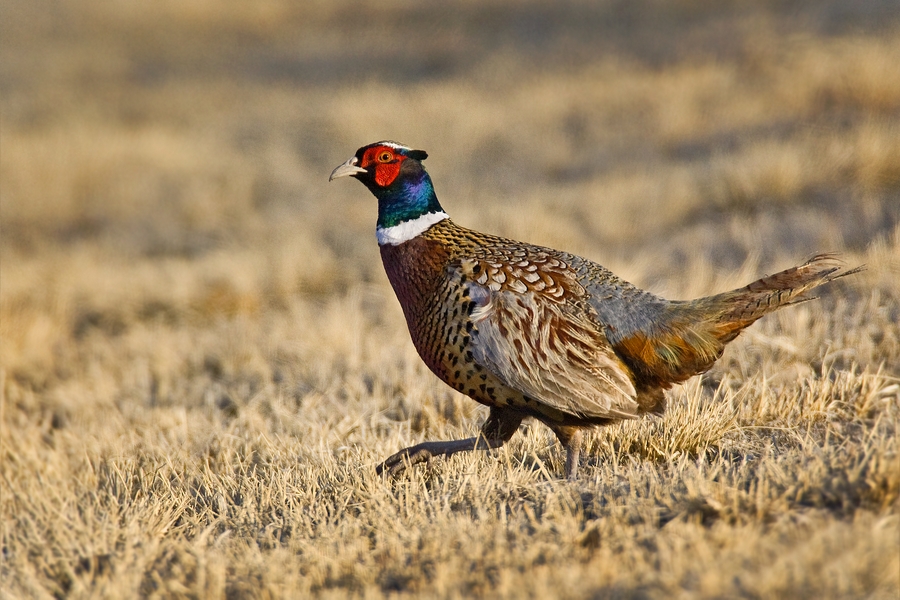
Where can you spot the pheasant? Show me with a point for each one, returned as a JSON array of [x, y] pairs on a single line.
[[535, 332]]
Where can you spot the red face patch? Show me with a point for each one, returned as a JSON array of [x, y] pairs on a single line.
[[387, 163]]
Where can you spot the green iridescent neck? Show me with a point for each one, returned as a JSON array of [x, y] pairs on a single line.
[[408, 198]]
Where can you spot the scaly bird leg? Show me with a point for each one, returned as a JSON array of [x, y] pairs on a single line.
[[570, 438], [425, 451], [501, 424]]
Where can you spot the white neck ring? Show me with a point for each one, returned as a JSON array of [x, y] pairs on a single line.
[[407, 230]]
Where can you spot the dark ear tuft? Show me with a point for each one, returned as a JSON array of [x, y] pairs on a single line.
[[417, 154]]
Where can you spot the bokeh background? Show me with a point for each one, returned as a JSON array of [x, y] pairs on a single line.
[[191, 141], [178, 279]]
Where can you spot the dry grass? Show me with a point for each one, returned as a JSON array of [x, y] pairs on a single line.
[[202, 363]]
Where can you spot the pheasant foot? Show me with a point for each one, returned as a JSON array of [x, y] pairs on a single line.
[[570, 438], [427, 450]]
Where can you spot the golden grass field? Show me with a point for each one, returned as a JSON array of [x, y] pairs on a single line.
[[202, 361]]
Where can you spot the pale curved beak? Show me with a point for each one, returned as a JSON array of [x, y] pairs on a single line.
[[347, 169]]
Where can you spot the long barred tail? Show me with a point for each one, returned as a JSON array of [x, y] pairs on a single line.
[[688, 337], [741, 307]]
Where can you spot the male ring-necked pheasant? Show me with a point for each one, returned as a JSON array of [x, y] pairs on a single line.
[[532, 331]]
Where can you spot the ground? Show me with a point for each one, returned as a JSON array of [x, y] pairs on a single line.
[[201, 360]]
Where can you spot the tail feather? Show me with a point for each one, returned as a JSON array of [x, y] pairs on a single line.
[[745, 305], [688, 337]]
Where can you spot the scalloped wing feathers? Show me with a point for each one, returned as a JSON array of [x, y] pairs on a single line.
[[551, 350]]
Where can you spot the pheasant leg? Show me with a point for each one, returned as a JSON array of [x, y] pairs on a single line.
[[570, 438], [500, 426], [426, 450]]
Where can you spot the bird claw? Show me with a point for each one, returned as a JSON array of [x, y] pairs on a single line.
[[407, 457]]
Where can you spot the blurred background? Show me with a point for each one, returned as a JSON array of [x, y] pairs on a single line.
[[201, 360], [165, 164]]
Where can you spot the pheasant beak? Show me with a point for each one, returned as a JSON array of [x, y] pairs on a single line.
[[347, 169]]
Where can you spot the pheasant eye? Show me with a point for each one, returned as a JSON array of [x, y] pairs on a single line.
[[385, 157]]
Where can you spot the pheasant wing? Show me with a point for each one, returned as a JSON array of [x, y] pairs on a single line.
[[534, 332]]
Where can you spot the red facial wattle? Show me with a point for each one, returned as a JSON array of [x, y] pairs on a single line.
[[386, 162], [385, 174]]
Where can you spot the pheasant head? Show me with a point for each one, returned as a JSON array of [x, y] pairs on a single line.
[[407, 204]]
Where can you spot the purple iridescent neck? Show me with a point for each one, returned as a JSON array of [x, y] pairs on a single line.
[[409, 197]]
